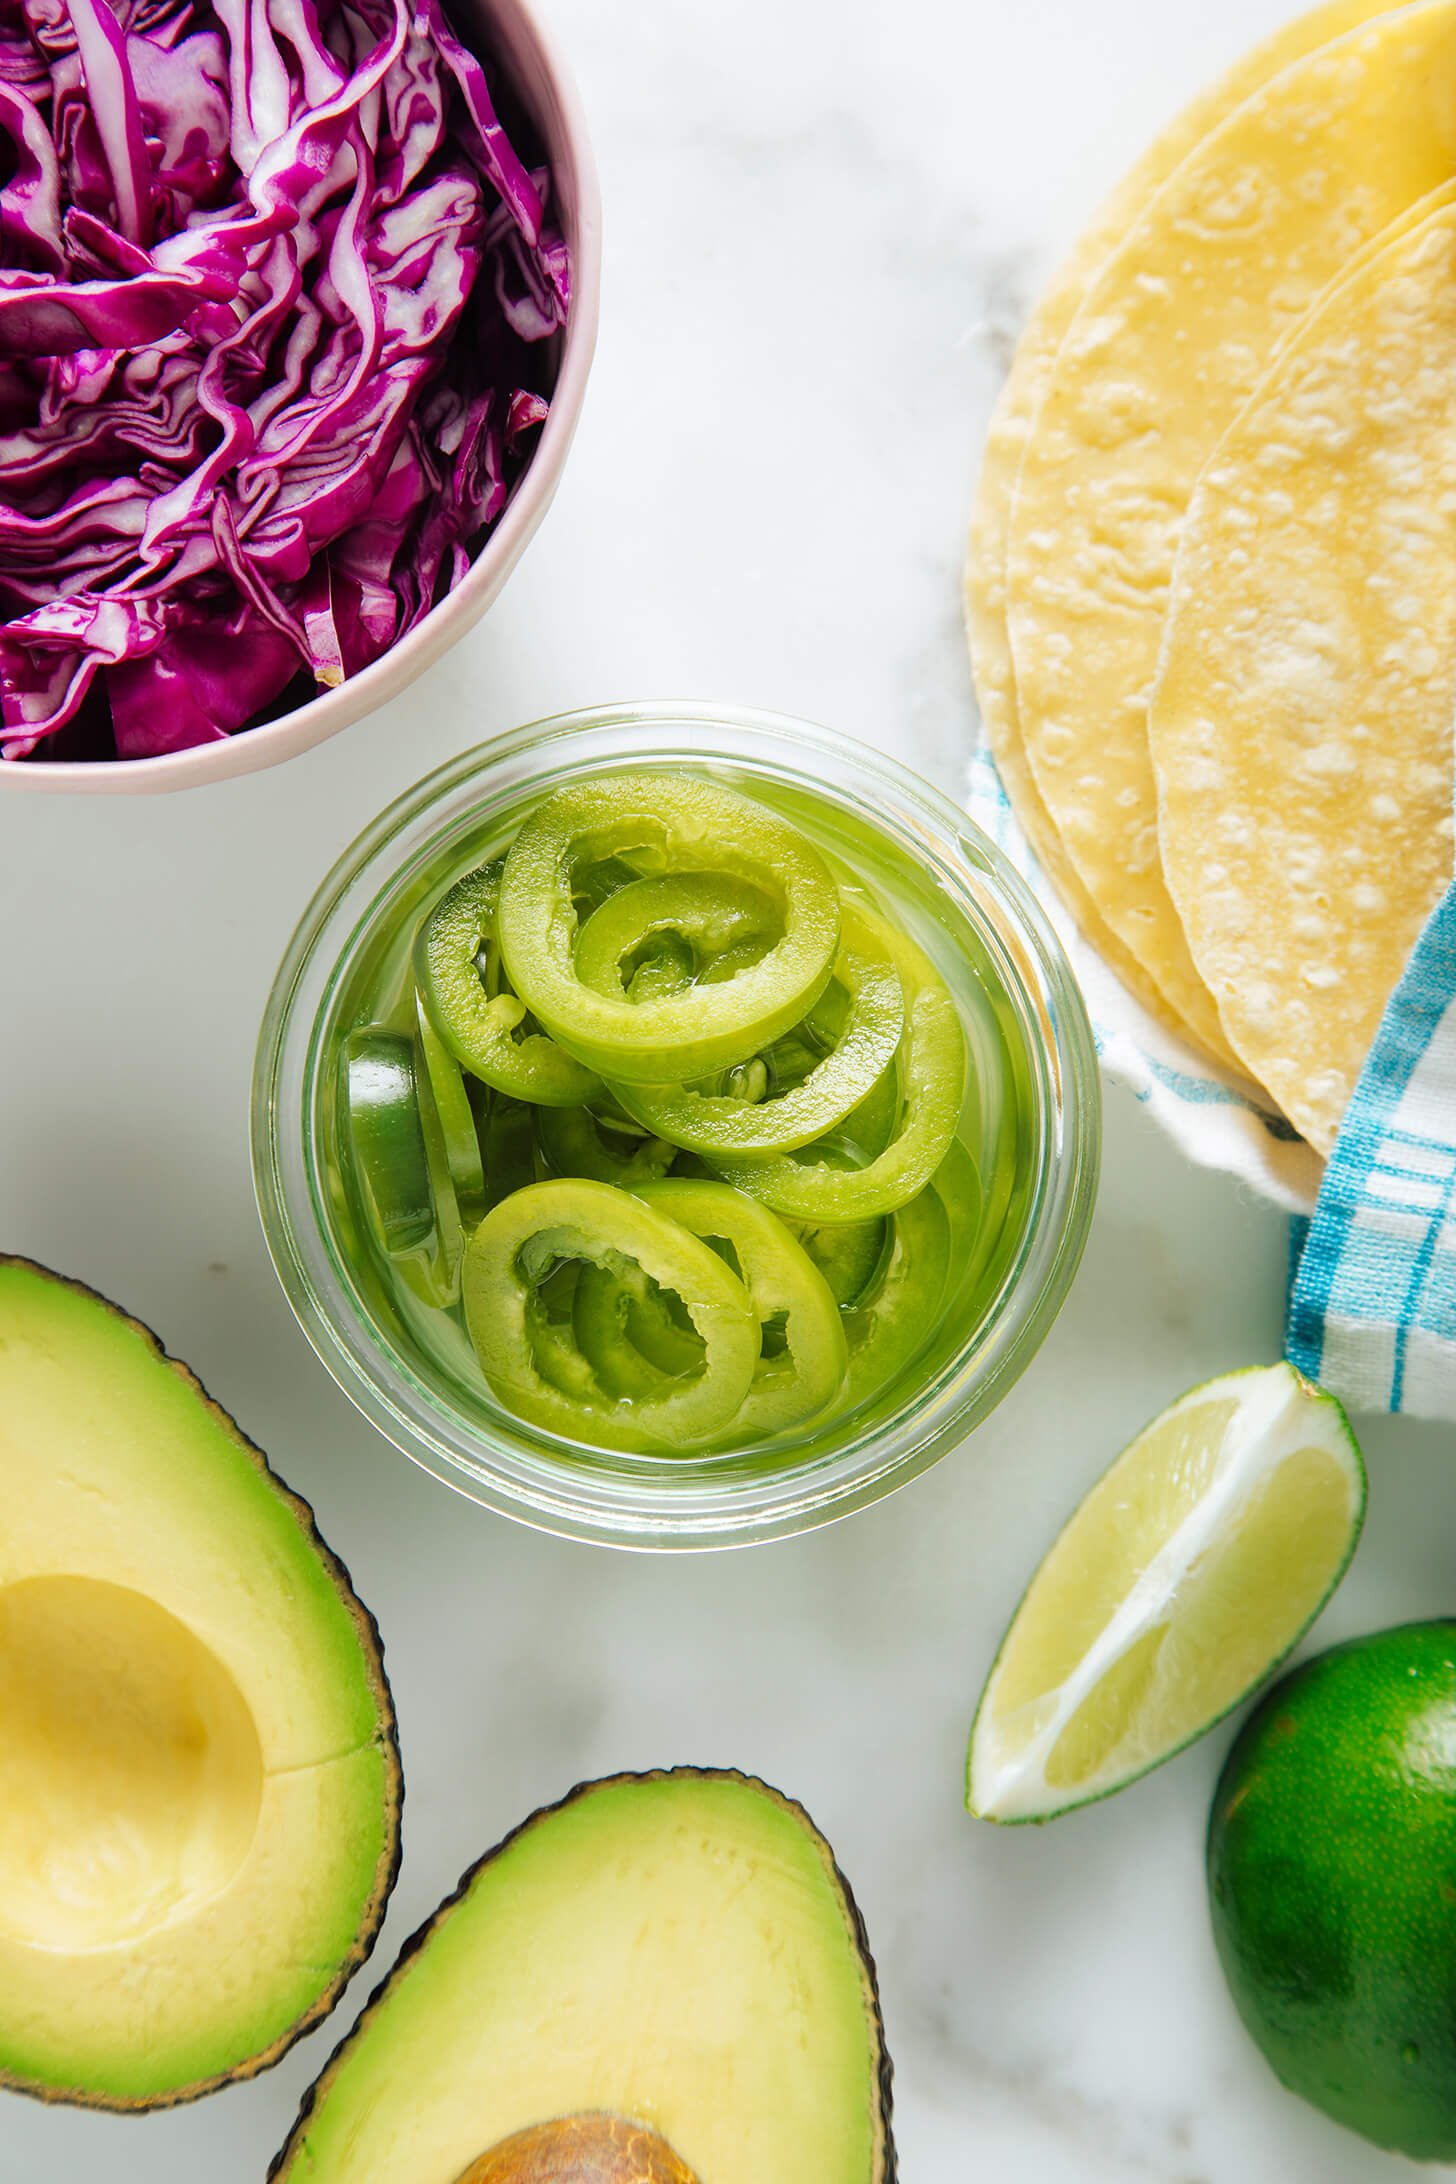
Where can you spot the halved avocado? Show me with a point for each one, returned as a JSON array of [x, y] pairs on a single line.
[[199, 1825], [661, 1980]]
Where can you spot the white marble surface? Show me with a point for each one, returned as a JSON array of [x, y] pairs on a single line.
[[825, 219]]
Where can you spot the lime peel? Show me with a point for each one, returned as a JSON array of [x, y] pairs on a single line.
[[1183, 1580]]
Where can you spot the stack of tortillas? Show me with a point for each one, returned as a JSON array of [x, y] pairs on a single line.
[[1213, 564]]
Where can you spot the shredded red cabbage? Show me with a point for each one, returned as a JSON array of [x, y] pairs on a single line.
[[278, 299]]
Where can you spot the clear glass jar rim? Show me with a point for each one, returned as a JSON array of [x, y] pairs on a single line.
[[574, 1500]]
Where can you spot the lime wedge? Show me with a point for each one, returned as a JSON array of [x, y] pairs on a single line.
[[1182, 1581]]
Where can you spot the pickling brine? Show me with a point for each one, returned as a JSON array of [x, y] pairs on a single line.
[[675, 1116]]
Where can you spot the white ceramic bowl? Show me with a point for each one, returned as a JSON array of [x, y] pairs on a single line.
[[510, 33]]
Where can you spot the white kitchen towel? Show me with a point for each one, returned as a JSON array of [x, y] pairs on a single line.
[[1372, 1311]]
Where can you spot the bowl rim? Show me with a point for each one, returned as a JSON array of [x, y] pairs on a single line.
[[522, 31]]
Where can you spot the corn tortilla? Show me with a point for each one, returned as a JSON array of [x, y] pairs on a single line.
[[1013, 418], [1302, 722], [1171, 339]]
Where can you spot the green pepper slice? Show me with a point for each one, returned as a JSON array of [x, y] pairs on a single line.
[[972, 1237], [510, 1148], [847, 1254], [554, 1346], [659, 1332], [894, 1321], [707, 1121], [518, 1247], [387, 1140], [958, 1187], [802, 1365], [399, 1163], [699, 917], [459, 1136], [623, 1330], [932, 1067], [575, 1141], [789, 1296], [667, 969], [592, 884], [874, 1122], [687, 824], [478, 1027]]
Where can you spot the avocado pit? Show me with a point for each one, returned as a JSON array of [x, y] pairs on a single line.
[[586, 2149]]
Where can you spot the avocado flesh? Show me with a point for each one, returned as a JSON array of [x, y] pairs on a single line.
[[200, 1820], [677, 1949]]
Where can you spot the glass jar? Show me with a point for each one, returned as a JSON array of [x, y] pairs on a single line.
[[1034, 1108]]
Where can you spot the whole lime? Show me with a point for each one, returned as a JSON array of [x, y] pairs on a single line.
[[1332, 1873]]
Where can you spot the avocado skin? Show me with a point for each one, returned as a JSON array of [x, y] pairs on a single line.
[[887, 2171], [372, 1646]]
